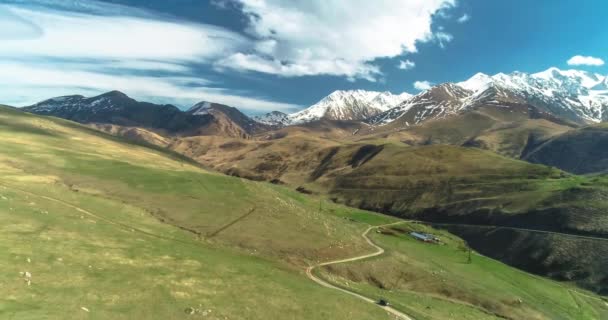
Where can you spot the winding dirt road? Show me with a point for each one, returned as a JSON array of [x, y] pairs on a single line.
[[379, 251]]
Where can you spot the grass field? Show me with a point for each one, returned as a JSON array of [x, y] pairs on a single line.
[[104, 229]]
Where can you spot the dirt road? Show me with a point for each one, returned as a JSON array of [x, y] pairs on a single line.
[[379, 251]]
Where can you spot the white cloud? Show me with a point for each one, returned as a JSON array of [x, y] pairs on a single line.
[[423, 85], [52, 48], [585, 61], [252, 62], [464, 18], [406, 65], [333, 37]]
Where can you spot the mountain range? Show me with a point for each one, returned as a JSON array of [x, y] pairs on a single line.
[[577, 96], [513, 115]]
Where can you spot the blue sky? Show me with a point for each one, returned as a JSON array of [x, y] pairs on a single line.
[[263, 55]]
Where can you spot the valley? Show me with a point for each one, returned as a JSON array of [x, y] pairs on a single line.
[[163, 182], [303, 160]]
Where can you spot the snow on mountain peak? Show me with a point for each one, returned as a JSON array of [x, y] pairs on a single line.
[[387, 100], [201, 108], [584, 78], [479, 81], [349, 105], [274, 118]]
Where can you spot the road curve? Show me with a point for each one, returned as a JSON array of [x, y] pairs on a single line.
[[379, 251]]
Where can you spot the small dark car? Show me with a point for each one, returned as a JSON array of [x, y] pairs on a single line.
[[383, 302]]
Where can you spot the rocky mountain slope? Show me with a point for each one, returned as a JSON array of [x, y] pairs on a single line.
[[226, 120], [440, 101]]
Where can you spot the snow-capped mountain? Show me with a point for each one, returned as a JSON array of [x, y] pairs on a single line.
[[573, 95], [569, 94], [274, 118], [349, 105]]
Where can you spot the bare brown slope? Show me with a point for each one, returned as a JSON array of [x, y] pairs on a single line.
[[323, 129], [508, 129]]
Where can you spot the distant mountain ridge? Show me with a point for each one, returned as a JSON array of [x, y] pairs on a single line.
[[117, 108], [572, 95]]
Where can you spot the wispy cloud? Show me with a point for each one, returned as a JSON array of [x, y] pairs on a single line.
[[443, 38], [423, 85], [464, 18], [406, 65], [88, 47], [585, 61]]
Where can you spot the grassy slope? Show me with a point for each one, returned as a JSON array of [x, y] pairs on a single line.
[[414, 180], [117, 260], [458, 181], [586, 150]]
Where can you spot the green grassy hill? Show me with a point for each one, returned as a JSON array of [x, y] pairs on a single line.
[[105, 229]]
